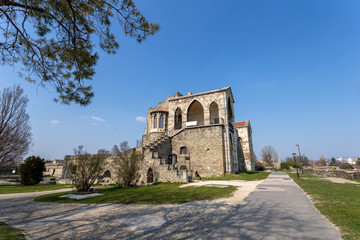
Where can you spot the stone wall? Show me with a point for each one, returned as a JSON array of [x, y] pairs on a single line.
[[352, 175], [205, 147], [247, 146], [150, 138]]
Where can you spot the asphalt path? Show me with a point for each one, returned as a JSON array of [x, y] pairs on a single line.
[[276, 209]]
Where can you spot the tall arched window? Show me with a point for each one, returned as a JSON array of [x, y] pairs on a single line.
[[178, 119], [161, 121], [155, 121], [196, 113], [214, 113], [230, 112]]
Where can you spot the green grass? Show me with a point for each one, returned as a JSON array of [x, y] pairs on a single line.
[[18, 188], [9, 233], [339, 202], [154, 194], [248, 176]]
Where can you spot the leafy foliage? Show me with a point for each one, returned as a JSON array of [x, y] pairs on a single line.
[[289, 163], [127, 164], [86, 169], [53, 39], [31, 171], [15, 135]]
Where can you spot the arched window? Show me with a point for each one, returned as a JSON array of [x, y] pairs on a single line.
[[214, 113], [155, 121], [107, 174], [178, 119], [150, 176], [161, 121], [183, 167], [183, 150], [230, 112], [196, 113]]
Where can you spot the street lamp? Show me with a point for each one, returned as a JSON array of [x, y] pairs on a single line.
[[297, 171], [301, 162]]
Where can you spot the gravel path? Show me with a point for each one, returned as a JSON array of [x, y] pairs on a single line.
[[272, 211]]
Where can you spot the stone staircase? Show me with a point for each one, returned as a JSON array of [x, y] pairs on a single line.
[[156, 143]]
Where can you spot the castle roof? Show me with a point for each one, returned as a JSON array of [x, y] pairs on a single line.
[[240, 124]]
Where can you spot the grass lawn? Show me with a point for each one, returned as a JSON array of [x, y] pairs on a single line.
[[248, 176], [9, 233], [18, 188], [339, 202], [154, 194]]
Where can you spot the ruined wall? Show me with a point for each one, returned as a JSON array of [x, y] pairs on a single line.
[[205, 149], [352, 175], [247, 146]]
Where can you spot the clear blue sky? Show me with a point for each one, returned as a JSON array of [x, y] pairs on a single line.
[[293, 66]]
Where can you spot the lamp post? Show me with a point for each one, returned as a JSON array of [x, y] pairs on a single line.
[[301, 162], [297, 171]]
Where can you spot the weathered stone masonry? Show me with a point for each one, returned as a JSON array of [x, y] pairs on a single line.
[[191, 133]]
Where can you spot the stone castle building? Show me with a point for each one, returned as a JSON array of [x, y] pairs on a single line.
[[195, 132], [189, 133]]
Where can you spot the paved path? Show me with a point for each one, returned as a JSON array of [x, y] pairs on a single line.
[[276, 209]]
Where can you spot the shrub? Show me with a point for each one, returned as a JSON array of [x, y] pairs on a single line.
[[127, 164], [259, 166], [86, 169], [288, 164], [284, 165], [31, 171]]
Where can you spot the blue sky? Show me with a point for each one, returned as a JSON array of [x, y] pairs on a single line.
[[293, 67]]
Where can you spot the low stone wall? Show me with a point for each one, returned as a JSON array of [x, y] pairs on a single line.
[[352, 175]]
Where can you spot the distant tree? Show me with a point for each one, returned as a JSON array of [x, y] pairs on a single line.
[[269, 155], [54, 40], [312, 162], [15, 131], [358, 161], [289, 163], [104, 151], [323, 161], [31, 171], [127, 164], [276, 158], [86, 169], [333, 161], [304, 160]]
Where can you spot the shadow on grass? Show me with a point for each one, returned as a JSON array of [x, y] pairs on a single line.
[[154, 194]]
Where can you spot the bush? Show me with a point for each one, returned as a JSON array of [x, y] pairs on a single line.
[[284, 165], [86, 169], [259, 166], [288, 164], [127, 164], [31, 171]]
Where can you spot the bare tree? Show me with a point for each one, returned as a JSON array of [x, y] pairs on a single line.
[[15, 131], [86, 168], [269, 155], [127, 164], [322, 161], [303, 160]]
